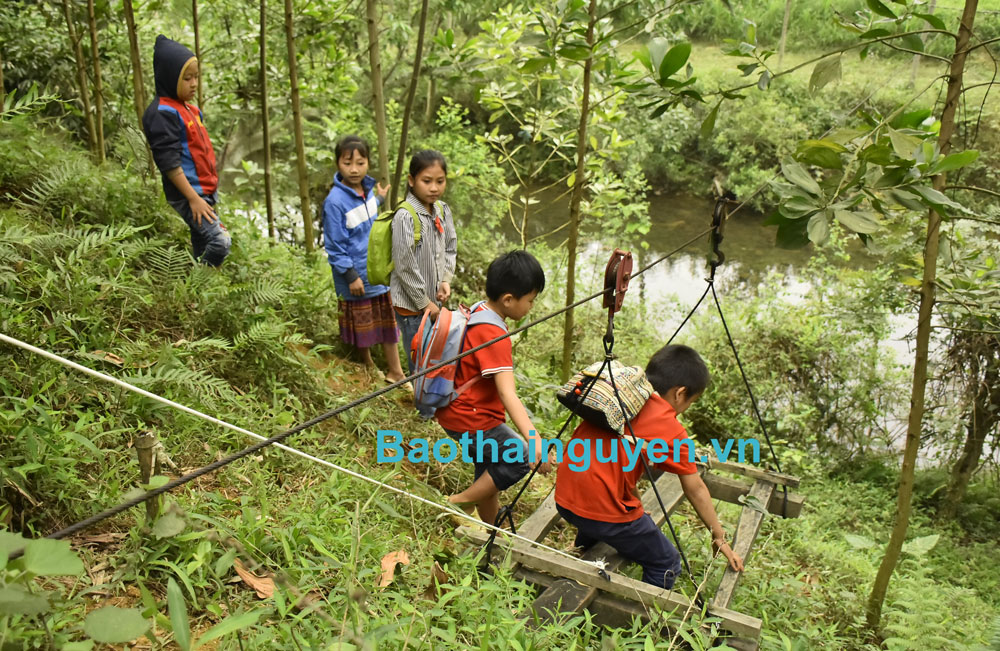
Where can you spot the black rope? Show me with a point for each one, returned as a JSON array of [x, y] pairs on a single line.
[[753, 400], [184, 479]]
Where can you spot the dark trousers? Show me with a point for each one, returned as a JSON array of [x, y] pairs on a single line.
[[640, 541], [210, 241]]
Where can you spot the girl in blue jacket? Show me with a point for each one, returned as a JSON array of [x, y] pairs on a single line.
[[366, 314]]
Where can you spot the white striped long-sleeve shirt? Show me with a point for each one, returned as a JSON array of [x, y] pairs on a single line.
[[418, 273]]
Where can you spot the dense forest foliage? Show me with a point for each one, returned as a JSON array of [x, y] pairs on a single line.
[[865, 132]]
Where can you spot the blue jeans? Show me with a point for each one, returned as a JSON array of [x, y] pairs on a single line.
[[210, 242], [640, 541], [408, 326]]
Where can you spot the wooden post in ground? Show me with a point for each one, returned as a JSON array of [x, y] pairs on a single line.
[[149, 465]]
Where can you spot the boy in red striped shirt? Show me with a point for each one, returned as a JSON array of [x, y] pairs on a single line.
[[512, 282]]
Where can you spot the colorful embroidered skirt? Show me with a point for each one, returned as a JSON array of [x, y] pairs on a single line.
[[368, 321]]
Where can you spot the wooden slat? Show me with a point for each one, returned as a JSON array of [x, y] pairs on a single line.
[[730, 490], [707, 458], [746, 533], [571, 597], [617, 584], [615, 612]]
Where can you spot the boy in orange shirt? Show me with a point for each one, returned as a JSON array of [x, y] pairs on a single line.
[[512, 282], [601, 500]]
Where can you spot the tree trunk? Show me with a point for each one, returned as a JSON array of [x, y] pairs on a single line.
[[271, 233], [3, 94], [578, 185], [138, 88], [300, 148], [377, 97], [915, 67], [197, 50], [784, 32], [429, 109], [984, 418], [81, 75], [913, 429], [411, 93], [98, 88]]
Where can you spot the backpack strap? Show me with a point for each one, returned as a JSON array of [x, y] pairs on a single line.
[[475, 318], [408, 207]]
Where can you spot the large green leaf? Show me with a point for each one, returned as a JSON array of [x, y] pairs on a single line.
[[708, 124], [879, 8], [792, 234], [826, 70], [46, 557], [935, 199], [920, 546], [954, 161], [9, 542], [229, 625], [168, 525], [652, 54], [575, 52], [15, 600], [674, 60], [113, 625], [858, 221], [821, 153], [178, 615], [906, 199], [798, 207], [798, 175], [819, 227], [932, 20], [904, 145]]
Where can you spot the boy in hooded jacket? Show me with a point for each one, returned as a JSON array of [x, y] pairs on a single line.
[[182, 150]]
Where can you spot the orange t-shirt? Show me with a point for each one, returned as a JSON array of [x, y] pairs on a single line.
[[605, 491], [479, 406]]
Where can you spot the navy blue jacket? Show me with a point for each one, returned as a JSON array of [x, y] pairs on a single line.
[[347, 221]]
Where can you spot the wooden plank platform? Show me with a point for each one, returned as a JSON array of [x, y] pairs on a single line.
[[708, 460], [730, 490], [746, 533], [584, 573], [567, 596]]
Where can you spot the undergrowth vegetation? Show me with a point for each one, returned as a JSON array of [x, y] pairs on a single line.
[[94, 267]]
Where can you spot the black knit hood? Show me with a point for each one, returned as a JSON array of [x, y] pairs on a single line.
[[169, 59]]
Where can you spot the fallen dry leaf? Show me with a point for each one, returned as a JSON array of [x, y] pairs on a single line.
[[108, 357], [264, 585], [389, 562], [438, 578]]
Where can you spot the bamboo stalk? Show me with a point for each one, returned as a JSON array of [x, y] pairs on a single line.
[[300, 149], [81, 75], [98, 87], [410, 95], [377, 97], [271, 233]]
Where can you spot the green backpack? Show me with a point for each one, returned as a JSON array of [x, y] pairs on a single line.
[[380, 263]]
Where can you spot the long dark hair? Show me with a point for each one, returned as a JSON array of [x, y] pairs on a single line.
[[427, 158], [350, 143]]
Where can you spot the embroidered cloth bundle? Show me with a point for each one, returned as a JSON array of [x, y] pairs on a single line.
[[599, 406]]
